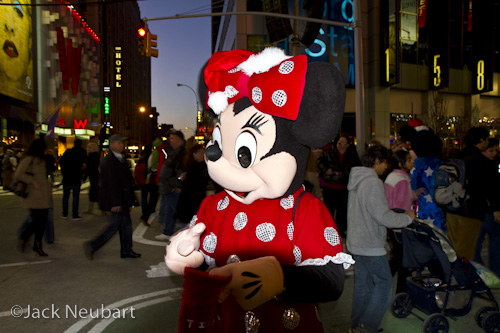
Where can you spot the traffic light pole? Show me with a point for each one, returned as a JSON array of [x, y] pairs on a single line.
[[358, 54]]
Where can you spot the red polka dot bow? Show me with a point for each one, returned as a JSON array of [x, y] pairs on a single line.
[[273, 81]]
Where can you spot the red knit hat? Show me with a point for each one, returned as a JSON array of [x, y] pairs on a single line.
[[273, 81]]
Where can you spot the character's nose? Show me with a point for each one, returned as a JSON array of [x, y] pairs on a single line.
[[7, 29], [213, 152]]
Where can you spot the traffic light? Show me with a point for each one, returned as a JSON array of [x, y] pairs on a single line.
[[151, 42], [142, 43]]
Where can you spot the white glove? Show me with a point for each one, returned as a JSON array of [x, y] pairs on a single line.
[[182, 251]]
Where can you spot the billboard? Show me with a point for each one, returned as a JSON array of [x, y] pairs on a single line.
[[16, 58]]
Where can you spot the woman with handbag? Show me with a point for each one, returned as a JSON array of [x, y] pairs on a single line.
[[32, 170]]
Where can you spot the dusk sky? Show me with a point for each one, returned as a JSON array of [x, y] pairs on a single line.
[[184, 46]]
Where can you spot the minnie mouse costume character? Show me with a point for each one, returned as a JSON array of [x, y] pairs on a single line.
[[272, 250]]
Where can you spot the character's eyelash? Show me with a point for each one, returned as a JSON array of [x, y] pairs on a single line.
[[255, 122]]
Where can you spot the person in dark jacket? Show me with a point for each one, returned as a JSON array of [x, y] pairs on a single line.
[[92, 172], [171, 184], [194, 188], [71, 164], [116, 196], [482, 190], [334, 166]]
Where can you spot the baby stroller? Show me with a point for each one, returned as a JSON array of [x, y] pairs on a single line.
[[441, 283]]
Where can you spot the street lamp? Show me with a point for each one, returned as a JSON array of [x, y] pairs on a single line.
[[196, 96], [142, 109]]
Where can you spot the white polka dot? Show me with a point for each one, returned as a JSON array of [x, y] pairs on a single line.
[[240, 221], [223, 203], [297, 254], [230, 91], [289, 230], [286, 67], [209, 260], [332, 236], [279, 98], [256, 94], [193, 221], [265, 232], [287, 202], [210, 243]]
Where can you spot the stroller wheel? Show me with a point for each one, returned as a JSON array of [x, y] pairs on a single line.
[[401, 305], [436, 323], [481, 313], [491, 322]]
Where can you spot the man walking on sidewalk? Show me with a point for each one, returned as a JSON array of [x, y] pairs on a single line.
[[116, 196]]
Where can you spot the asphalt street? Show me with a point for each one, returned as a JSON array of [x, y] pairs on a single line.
[[65, 292]]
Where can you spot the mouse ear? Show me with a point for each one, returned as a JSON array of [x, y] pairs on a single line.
[[322, 106]]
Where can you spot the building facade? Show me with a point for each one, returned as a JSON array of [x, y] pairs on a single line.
[[431, 59], [72, 70]]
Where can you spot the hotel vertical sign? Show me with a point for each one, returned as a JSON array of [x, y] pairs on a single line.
[[118, 66]]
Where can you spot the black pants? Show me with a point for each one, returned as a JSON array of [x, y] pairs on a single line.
[[336, 202], [396, 262], [37, 226], [120, 222]]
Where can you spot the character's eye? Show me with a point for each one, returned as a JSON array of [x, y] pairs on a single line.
[[18, 9], [246, 149], [216, 137]]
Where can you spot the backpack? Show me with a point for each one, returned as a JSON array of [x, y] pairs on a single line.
[[451, 194]]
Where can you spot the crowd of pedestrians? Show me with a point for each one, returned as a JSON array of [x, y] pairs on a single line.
[[371, 198]]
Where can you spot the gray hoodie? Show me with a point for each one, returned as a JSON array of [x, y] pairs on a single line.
[[368, 214]]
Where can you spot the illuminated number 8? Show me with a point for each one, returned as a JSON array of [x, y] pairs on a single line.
[[480, 75]]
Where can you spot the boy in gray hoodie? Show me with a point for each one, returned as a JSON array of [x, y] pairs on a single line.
[[368, 216]]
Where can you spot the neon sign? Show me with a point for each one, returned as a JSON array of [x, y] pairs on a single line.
[[437, 71], [480, 75], [336, 44], [118, 66], [80, 123]]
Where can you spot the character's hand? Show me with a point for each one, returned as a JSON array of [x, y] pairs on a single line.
[[182, 251], [254, 282], [116, 209], [420, 190]]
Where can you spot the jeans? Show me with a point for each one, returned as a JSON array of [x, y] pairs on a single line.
[[119, 222], [488, 226], [148, 207], [372, 291], [168, 205], [76, 198]]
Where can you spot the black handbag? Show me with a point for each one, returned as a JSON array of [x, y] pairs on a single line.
[[19, 187]]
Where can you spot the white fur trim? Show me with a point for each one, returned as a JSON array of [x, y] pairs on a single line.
[[217, 101], [421, 128], [340, 258], [262, 62]]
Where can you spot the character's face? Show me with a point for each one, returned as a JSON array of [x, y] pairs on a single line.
[[244, 139], [15, 39]]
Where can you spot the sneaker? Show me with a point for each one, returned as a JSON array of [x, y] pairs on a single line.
[[77, 218], [163, 237], [151, 218], [64, 217]]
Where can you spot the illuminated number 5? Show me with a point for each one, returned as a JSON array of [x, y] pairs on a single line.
[[437, 71], [480, 75]]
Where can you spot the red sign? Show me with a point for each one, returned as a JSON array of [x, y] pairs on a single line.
[[422, 13], [469, 17], [69, 61], [80, 123]]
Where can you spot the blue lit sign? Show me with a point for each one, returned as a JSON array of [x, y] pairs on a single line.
[[336, 45]]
